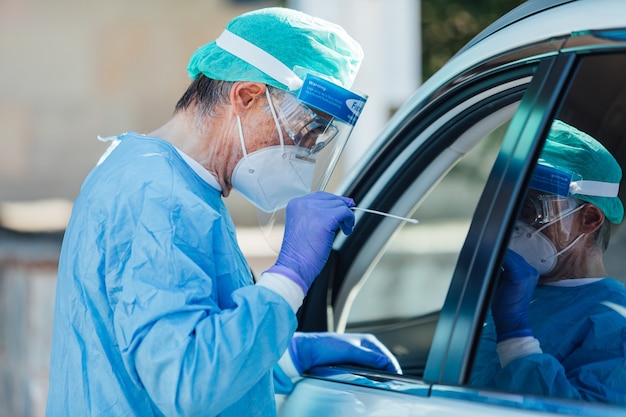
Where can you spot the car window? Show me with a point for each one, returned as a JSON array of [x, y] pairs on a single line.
[[402, 293], [413, 274], [570, 342]]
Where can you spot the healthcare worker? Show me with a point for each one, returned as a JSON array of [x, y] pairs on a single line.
[[157, 313], [565, 337]]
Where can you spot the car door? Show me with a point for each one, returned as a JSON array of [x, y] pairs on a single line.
[[457, 158]]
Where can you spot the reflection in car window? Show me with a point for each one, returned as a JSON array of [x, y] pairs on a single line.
[[409, 283], [557, 325]]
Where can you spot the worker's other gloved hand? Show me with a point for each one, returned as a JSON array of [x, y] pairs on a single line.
[[308, 350], [512, 298], [310, 226]]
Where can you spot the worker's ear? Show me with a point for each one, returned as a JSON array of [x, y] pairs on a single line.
[[244, 94], [592, 218]]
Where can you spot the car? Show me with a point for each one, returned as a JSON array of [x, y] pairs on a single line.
[[458, 157]]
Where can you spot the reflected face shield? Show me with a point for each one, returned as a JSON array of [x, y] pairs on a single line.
[[549, 200], [542, 210]]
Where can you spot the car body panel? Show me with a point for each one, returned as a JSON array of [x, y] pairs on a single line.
[[328, 398], [468, 290]]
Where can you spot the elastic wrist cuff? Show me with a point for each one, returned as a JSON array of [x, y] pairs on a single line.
[[283, 286], [291, 274], [289, 367], [501, 337], [517, 347]]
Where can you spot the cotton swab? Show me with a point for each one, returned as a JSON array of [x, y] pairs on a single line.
[[380, 213]]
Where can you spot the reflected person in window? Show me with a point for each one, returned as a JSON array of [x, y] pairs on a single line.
[[558, 324]]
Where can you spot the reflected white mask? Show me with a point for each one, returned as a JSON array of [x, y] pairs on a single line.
[[272, 176], [535, 247]]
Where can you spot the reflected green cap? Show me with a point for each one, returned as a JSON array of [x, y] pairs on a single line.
[[266, 45], [569, 149]]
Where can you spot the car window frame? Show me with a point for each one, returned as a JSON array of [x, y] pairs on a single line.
[[449, 360], [322, 296], [451, 354], [446, 367]]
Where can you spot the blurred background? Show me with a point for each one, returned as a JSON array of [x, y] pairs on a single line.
[[71, 71]]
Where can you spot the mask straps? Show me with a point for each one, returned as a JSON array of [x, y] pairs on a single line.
[[565, 249], [273, 111], [568, 247], [280, 131], [243, 144], [561, 216]]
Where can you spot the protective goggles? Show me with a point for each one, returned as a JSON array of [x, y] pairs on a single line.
[[542, 209], [306, 128]]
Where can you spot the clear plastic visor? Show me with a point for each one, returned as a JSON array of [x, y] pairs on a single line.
[[541, 209], [318, 119], [309, 130]]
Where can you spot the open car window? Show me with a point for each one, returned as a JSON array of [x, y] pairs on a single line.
[[403, 292]]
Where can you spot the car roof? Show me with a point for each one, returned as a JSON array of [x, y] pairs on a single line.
[[521, 12], [537, 22], [533, 22]]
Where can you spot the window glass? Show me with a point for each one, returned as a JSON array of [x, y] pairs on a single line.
[[560, 332], [403, 293], [413, 274]]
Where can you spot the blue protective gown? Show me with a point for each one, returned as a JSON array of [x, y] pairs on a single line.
[[582, 332], [155, 313]]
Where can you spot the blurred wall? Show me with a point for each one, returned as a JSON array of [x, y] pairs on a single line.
[[71, 70]]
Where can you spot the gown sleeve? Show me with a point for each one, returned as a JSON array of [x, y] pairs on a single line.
[[190, 331], [593, 370]]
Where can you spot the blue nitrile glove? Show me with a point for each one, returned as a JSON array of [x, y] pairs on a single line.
[[308, 350], [310, 226], [512, 298]]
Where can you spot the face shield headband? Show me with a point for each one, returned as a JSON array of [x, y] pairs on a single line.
[[565, 183]]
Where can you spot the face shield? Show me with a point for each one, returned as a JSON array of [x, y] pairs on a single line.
[[550, 201], [543, 229], [316, 111], [542, 210], [308, 130], [318, 119]]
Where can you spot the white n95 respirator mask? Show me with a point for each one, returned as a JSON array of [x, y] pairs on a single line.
[[534, 247], [272, 176]]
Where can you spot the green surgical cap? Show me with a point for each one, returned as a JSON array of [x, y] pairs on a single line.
[[571, 150], [294, 38]]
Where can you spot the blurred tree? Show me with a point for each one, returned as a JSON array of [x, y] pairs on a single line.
[[447, 25]]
